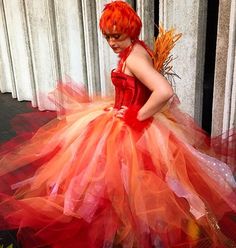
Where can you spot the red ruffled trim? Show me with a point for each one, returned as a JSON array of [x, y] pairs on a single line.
[[130, 118]]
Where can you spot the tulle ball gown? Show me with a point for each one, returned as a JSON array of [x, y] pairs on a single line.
[[94, 180]]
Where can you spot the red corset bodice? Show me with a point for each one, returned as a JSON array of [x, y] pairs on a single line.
[[129, 91]]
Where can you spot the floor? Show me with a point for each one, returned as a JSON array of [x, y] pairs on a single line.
[[9, 107], [11, 110]]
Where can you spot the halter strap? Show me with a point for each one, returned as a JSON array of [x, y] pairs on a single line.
[[126, 52]]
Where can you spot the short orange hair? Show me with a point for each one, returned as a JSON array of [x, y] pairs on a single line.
[[120, 15]]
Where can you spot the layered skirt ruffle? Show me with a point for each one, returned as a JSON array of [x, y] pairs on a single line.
[[89, 180]]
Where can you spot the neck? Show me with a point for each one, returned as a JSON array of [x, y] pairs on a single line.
[[127, 49]]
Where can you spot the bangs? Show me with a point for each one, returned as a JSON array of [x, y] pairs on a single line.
[[114, 22], [120, 17]]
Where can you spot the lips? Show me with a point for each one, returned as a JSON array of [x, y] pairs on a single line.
[[115, 48]]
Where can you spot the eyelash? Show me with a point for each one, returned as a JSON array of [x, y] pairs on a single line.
[[116, 37]]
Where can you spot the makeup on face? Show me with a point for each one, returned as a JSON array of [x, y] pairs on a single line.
[[117, 41]]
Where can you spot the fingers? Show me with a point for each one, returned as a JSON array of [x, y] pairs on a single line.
[[120, 113]]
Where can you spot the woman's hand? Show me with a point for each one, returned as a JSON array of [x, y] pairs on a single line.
[[120, 113], [130, 117]]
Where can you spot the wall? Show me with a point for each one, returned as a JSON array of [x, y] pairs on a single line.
[[44, 41]]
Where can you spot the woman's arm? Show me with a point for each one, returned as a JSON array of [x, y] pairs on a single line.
[[140, 64]]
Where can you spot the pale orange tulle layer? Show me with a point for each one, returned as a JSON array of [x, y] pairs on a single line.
[[89, 180]]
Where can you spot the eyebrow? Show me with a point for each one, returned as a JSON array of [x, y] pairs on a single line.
[[111, 34]]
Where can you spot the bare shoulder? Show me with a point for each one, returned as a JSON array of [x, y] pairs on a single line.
[[139, 54], [139, 63], [139, 58]]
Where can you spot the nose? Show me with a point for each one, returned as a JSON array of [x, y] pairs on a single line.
[[111, 42]]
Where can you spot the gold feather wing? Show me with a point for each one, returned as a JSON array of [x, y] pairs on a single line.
[[162, 58]]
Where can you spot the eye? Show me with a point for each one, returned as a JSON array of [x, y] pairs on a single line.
[[107, 37], [116, 36]]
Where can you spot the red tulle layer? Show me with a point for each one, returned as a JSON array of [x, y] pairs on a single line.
[[88, 179]]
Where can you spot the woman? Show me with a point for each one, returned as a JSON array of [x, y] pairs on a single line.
[[135, 175], [121, 37]]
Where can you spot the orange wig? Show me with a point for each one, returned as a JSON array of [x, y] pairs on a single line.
[[121, 17]]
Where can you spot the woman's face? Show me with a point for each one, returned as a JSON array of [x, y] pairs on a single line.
[[117, 41]]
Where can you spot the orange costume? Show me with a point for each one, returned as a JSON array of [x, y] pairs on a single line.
[[95, 180]]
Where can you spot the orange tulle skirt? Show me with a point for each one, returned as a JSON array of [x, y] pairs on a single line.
[[88, 180]]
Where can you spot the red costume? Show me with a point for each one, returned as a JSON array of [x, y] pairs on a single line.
[[95, 180], [99, 181]]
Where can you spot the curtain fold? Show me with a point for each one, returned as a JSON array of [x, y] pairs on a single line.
[[43, 42]]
